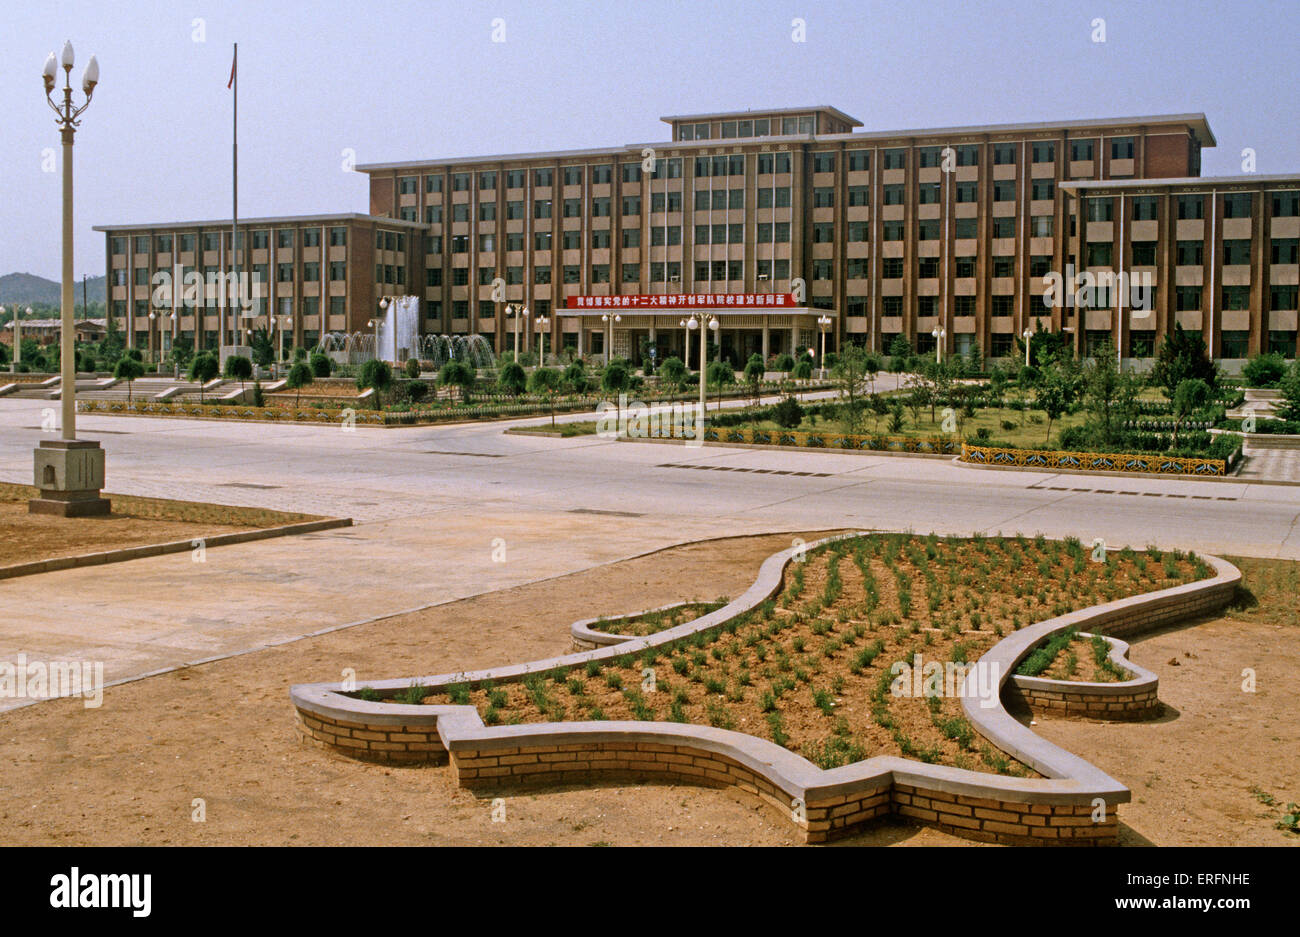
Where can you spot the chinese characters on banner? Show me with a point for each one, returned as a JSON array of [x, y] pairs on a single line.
[[679, 300]]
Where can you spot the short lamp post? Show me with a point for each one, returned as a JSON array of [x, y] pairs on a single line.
[[686, 343], [823, 323], [939, 333], [696, 322], [1026, 335], [69, 472], [540, 325], [283, 323], [609, 319]]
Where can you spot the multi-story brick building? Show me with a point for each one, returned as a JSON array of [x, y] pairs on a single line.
[[781, 223]]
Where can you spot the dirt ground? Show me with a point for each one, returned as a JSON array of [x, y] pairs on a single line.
[[135, 770], [26, 538]]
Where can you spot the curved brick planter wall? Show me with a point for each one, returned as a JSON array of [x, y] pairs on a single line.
[[586, 637], [1055, 809], [1131, 699]]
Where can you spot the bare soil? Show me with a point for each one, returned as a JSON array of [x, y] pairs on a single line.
[[131, 771], [27, 538]]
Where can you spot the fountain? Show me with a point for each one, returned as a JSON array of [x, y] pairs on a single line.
[[359, 347]]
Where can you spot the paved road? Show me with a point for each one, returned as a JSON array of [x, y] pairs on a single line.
[[437, 506]]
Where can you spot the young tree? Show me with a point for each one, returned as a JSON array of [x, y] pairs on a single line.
[[900, 349], [1056, 394], [512, 378], [850, 374], [321, 364], [377, 375], [1290, 388], [802, 371], [128, 369], [299, 377], [239, 368], [615, 378], [1189, 396], [575, 376], [203, 368], [1264, 370], [1109, 395], [673, 373], [754, 370], [412, 368], [263, 350], [458, 374], [719, 373], [545, 381], [1181, 356]]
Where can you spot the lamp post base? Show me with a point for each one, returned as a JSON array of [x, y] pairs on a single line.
[[70, 475]]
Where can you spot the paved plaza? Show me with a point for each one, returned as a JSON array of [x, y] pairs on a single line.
[[447, 512]]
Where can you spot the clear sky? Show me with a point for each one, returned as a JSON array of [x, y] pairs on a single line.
[[409, 80]]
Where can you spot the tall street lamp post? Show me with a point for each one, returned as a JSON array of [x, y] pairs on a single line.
[[540, 325], [1026, 334], [517, 313], [696, 320], [823, 322], [609, 319], [69, 471], [939, 333]]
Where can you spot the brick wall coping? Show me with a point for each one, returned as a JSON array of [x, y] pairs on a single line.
[[585, 631], [1068, 779], [1018, 740], [1142, 678]]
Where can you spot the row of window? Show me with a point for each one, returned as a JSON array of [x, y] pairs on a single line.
[[1191, 207], [1234, 252], [743, 129], [212, 241]]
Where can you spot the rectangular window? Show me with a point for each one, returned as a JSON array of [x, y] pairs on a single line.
[[572, 273], [859, 231], [1236, 205], [487, 211], [1003, 305], [1187, 298], [1235, 344], [459, 276], [823, 232], [1236, 297], [433, 276], [542, 208], [1042, 189], [891, 306], [1040, 265], [1144, 208], [631, 172], [433, 214], [1003, 266], [571, 240], [929, 157], [1121, 148], [433, 183], [1286, 204], [891, 268], [284, 238], [338, 237], [1004, 227], [487, 243], [602, 174], [1044, 151], [542, 274], [858, 160], [600, 207], [572, 208], [631, 205], [1144, 254], [1282, 343], [1189, 254], [857, 268], [824, 197], [460, 182], [1080, 150], [1283, 250], [1004, 154], [542, 178], [1099, 254], [893, 231], [1101, 209], [434, 244], [927, 193], [823, 162], [1004, 191], [769, 163], [966, 228], [927, 268], [406, 185], [896, 159], [1191, 206], [460, 211], [1041, 226], [515, 179], [821, 269], [894, 194], [514, 242], [965, 267], [600, 238], [1281, 297], [1236, 252]]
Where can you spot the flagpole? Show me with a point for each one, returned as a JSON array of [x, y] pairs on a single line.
[[234, 172]]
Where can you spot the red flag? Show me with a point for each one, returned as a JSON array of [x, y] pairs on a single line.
[[233, 63]]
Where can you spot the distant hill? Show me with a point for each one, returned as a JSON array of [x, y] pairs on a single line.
[[29, 288]]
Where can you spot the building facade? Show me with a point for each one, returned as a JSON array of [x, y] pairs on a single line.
[[784, 224]]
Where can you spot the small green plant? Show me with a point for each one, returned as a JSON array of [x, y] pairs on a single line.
[[369, 694], [413, 695]]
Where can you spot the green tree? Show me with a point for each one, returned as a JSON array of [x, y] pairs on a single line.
[[754, 371], [1290, 388], [239, 368], [719, 374], [299, 377], [788, 414], [263, 350], [512, 378], [203, 368], [1264, 370], [615, 379], [1182, 355], [900, 349], [413, 368], [850, 376], [1056, 394], [1109, 396], [1189, 396], [784, 362], [458, 374], [128, 369], [377, 375], [546, 381], [575, 376], [321, 364], [673, 373]]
